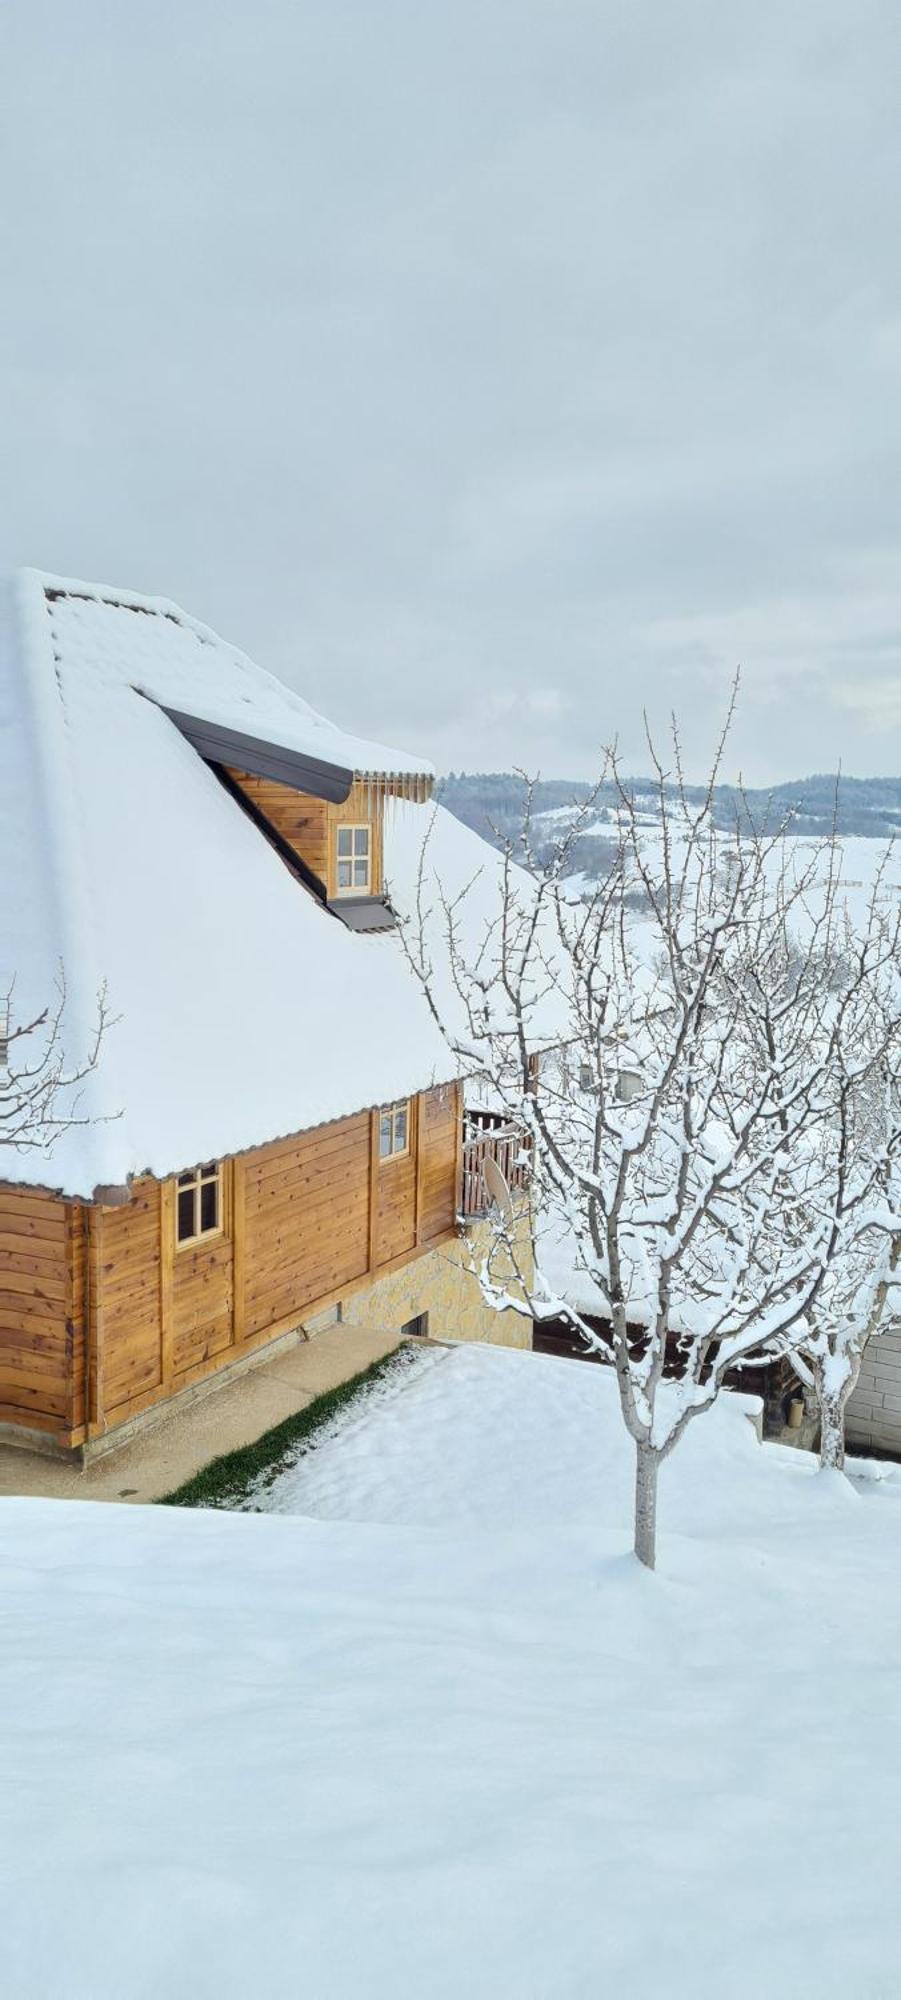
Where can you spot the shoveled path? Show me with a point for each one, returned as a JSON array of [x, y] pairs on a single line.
[[181, 1443]]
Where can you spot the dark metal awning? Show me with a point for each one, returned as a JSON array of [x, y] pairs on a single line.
[[364, 913], [218, 745]]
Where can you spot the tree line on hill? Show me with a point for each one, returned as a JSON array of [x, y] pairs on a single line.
[[493, 804]]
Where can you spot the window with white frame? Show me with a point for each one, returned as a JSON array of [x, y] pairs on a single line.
[[353, 873], [198, 1203], [394, 1130]]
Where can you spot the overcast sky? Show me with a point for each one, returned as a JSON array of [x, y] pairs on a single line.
[[487, 370]]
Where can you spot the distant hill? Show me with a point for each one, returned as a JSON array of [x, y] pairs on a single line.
[[492, 803]]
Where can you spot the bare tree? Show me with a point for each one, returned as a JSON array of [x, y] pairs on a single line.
[[693, 1143], [860, 1282], [40, 1085]]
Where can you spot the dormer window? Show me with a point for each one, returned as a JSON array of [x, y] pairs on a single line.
[[198, 1209], [353, 874]]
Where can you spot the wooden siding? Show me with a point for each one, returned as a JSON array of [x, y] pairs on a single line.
[[310, 826], [102, 1315], [306, 1221], [440, 1119], [36, 1330], [78, 1279], [300, 819], [127, 1284], [395, 1228], [202, 1302]]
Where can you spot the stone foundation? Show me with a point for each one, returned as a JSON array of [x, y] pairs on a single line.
[[443, 1285]]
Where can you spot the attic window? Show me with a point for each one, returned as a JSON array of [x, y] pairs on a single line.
[[353, 872], [198, 1205], [394, 1130]]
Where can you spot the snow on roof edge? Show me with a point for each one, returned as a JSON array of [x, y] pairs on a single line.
[[66, 887], [384, 760]]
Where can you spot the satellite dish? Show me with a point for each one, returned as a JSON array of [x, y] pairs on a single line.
[[497, 1188]]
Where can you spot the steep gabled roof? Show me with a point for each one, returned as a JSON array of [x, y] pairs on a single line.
[[192, 673], [244, 1011]]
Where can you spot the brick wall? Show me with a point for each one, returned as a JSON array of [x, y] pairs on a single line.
[[874, 1410]]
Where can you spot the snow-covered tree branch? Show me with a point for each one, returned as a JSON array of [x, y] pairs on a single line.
[[712, 1156], [40, 1086]]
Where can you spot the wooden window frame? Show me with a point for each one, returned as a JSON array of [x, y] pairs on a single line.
[[353, 827], [392, 1112], [210, 1173]]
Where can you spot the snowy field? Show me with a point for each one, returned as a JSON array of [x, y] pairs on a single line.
[[435, 1734]]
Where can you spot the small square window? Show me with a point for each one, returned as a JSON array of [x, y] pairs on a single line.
[[345, 875], [394, 1127], [345, 840]]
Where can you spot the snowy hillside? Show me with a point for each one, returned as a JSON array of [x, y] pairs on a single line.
[[438, 1735], [868, 812]]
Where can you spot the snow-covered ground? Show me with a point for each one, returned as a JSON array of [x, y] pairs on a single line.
[[438, 1735], [862, 860]]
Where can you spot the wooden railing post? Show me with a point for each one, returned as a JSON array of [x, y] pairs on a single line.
[[502, 1143]]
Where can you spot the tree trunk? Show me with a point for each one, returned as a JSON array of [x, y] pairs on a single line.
[[832, 1433], [646, 1468]]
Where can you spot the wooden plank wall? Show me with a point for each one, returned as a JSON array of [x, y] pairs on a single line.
[[300, 819], [78, 1252], [35, 1311], [306, 1220], [440, 1120], [202, 1301], [395, 1201], [309, 825], [101, 1315], [126, 1288]]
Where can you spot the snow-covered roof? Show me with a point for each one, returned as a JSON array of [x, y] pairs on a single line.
[[433, 862], [242, 1010], [184, 666]]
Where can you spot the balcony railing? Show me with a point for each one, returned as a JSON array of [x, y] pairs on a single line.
[[487, 1138]]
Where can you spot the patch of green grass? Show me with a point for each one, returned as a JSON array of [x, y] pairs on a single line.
[[227, 1481]]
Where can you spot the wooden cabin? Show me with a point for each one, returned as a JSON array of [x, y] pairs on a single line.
[[106, 1311], [274, 1122]]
